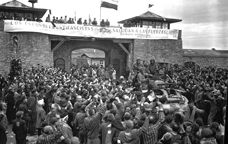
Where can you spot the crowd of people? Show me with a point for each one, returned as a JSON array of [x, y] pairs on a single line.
[[56, 20], [65, 20], [90, 105]]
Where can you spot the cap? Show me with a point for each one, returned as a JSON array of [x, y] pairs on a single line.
[[48, 129], [19, 113]]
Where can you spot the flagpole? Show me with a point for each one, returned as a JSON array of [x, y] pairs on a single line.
[[100, 10], [75, 17], [100, 13]]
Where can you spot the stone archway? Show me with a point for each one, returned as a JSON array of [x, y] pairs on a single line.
[[115, 53]]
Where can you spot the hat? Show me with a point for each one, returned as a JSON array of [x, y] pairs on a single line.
[[127, 116], [48, 129], [121, 77], [19, 114]]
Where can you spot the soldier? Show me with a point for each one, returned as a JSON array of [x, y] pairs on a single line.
[[152, 68], [137, 66]]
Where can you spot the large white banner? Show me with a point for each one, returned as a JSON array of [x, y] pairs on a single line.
[[75, 30]]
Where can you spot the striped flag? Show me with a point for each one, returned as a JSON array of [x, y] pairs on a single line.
[[112, 4]]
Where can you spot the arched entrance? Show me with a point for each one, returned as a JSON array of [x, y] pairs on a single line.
[[117, 52], [87, 57]]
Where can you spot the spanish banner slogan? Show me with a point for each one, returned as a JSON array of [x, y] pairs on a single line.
[[75, 30]]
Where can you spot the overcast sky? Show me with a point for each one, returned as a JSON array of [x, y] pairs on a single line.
[[204, 25]]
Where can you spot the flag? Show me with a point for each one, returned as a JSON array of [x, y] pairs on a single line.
[[112, 4], [150, 5]]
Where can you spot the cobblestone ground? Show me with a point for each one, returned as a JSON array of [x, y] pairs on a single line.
[[11, 137]]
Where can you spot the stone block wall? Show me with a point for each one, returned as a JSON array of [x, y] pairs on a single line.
[[169, 51], [31, 48], [6, 52]]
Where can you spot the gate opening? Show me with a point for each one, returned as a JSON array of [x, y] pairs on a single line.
[[87, 57]]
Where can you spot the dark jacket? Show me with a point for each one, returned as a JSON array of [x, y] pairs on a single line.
[[19, 128], [3, 135], [106, 130]]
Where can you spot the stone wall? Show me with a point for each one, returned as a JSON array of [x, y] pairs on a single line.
[[31, 48], [161, 50], [208, 61], [6, 52], [35, 48]]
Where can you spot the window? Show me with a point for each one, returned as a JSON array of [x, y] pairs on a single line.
[[153, 24], [145, 24], [158, 25], [101, 62], [165, 26]]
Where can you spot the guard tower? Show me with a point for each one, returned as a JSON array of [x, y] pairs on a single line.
[[15, 10], [149, 20], [161, 49]]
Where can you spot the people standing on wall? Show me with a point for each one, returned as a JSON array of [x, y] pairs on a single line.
[[107, 23], [48, 19], [94, 22], [85, 22], [65, 19], [53, 19], [70, 21], [56, 20], [79, 21], [61, 20], [102, 23]]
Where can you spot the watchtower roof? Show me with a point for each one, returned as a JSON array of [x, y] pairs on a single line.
[[150, 16], [16, 6]]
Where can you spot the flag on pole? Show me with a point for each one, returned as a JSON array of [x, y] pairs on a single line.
[[112, 4], [150, 5]]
